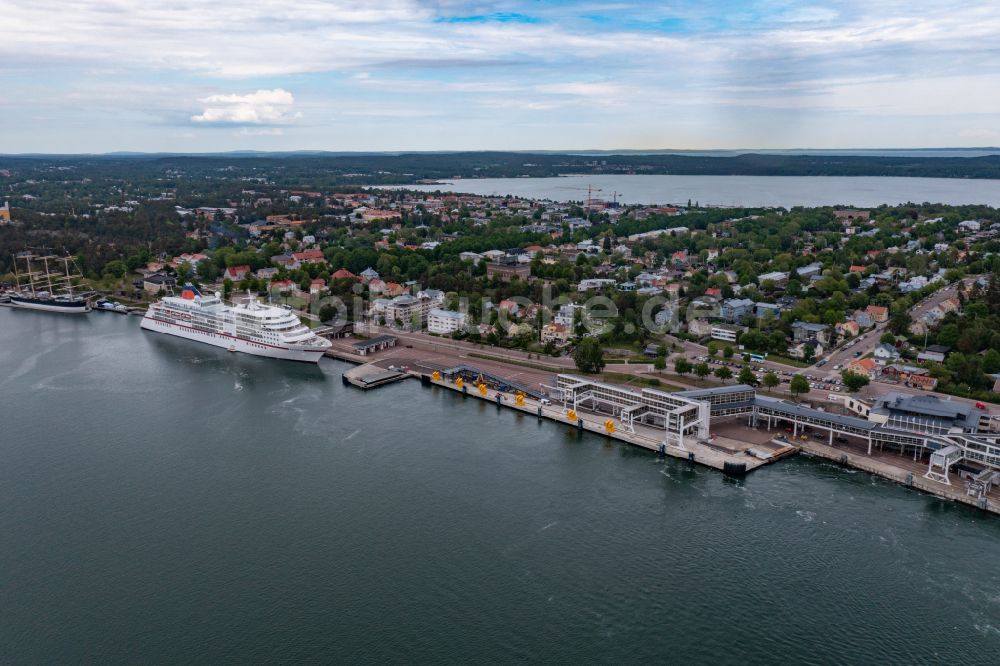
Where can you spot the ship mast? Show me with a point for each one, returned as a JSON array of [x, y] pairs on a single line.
[[69, 280], [48, 275]]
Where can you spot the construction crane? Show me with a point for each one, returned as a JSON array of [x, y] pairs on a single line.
[[590, 194]]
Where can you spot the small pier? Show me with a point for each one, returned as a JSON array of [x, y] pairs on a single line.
[[371, 375]]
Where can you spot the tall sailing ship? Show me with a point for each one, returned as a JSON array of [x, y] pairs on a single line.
[[251, 327], [48, 282]]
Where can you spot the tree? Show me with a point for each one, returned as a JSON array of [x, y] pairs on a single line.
[[327, 313], [900, 321], [771, 380], [727, 351], [660, 362], [115, 269], [798, 385], [887, 338], [682, 366], [588, 355], [208, 271], [702, 370], [713, 348], [747, 376], [723, 373], [578, 327], [854, 381]]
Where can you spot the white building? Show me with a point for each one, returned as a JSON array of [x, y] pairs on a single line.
[[445, 322], [564, 315], [724, 333]]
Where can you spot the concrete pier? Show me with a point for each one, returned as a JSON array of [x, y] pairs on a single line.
[[717, 455], [910, 478]]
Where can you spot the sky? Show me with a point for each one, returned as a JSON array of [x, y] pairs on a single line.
[[356, 75]]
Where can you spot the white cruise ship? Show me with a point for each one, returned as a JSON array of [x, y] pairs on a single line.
[[252, 328]]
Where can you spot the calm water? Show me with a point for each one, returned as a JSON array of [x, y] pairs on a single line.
[[163, 501], [786, 191]]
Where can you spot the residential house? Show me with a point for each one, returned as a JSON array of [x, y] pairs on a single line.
[[343, 274], [286, 261], [910, 376], [699, 327], [802, 350], [778, 278], [509, 306], [566, 312], [282, 286], [863, 366], [848, 328], [237, 273], [508, 270], [863, 318], [594, 284], [158, 283], [805, 272], [407, 309], [878, 313], [309, 257], [886, 353], [734, 309], [803, 331], [762, 309], [557, 334], [935, 353], [445, 322]]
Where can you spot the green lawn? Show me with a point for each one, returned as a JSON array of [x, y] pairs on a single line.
[[785, 360]]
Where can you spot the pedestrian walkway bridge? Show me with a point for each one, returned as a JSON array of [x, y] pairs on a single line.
[[476, 376], [741, 399]]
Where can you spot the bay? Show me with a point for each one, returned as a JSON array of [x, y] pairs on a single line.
[[163, 501], [737, 191]]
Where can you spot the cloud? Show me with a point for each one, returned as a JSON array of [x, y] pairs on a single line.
[[261, 131], [458, 68], [264, 107], [979, 134]]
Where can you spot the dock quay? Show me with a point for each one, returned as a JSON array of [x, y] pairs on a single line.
[[727, 455], [731, 428], [911, 477]]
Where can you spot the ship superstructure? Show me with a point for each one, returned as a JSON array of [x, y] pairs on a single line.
[[251, 327]]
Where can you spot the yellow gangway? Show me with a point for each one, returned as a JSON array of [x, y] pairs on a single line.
[[482, 389], [519, 400], [609, 426], [459, 382], [436, 376], [571, 415]]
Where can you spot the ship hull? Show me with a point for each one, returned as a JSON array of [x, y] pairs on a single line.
[[233, 343], [49, 305]]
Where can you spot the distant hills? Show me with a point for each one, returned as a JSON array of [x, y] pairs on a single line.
[[408, 167]]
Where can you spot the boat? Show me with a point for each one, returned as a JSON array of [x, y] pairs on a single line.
[[251, 327], [42, 286], [111, 306]]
